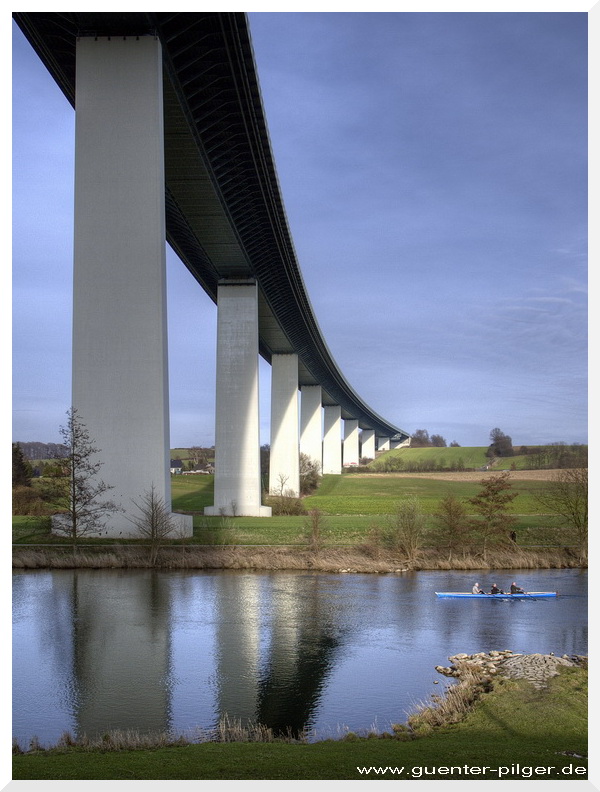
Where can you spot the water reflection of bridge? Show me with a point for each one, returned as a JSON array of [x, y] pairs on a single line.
[[274, 648], [274, 670]]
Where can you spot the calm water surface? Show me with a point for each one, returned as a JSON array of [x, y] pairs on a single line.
[[111, 649]]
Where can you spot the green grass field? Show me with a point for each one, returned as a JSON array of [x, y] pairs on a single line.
[[355, 495], [352, 505], [467, 458], [471, 457]]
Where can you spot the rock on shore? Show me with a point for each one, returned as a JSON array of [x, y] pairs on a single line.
[[536, 668]]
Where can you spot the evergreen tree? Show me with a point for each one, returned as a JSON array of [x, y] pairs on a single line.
[[77, 491], [21, 469], [492, 504]]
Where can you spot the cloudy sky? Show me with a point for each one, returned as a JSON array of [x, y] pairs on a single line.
[[433, 168]]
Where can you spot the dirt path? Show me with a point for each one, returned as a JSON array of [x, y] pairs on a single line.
[[472, 475]]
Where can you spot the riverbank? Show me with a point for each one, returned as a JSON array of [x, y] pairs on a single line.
[[363, 559], [503, 727]]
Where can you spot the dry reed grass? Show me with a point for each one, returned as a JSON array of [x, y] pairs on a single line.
[[226, 731], [364, 558], [453, 705]]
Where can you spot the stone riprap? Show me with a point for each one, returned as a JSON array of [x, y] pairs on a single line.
[[536, 668]]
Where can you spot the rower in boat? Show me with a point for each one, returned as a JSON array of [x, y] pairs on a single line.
[[477, 589], [495, 589], [514, 589], [507, 596]]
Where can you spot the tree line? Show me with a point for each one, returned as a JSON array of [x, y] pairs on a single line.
[[401, 464], [549, 456], [421, 439], [565, 498], [34, 450]]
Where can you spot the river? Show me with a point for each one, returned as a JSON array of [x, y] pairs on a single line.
[[95, 650]]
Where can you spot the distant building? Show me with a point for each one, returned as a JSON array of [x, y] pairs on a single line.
[[176, 466]]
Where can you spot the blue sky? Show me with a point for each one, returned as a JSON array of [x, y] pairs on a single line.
[[433, 168]]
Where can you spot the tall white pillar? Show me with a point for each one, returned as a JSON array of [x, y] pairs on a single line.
[[350, 453], [120, 385], [332, 439], [237, 431], [384, 444], [368, 444], [284, 469], [311, 423]]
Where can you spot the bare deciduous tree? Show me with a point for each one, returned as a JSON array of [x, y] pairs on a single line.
[[198, 457], [420, 439], [284, 500], [566, 497], [454, 526], [155, 522], [406, 528], [500, 444], [310, 474], [314, 525]]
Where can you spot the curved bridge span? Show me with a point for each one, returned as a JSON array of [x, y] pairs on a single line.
[[168, 104]]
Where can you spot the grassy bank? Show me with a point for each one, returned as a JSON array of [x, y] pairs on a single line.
[[513, 727], [355, 515], [337, 530], [475, 458]]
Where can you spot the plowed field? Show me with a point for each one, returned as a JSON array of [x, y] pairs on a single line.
[[477, 475]]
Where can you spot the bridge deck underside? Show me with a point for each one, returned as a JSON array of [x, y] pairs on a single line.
[[225, 215]]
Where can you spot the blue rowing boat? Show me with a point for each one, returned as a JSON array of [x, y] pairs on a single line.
[[470, 595]]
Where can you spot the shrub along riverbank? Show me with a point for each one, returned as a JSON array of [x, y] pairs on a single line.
[[350, 527], [504, 729]]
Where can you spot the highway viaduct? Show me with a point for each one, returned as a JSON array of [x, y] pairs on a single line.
[[171, 142]]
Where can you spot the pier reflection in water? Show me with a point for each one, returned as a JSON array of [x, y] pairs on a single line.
[[149, 650]]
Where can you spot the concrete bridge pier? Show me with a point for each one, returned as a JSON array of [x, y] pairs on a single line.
[[350, 450], [237, 431], [384, 444], [332, 439], [120, 387], [368, 444], [284, 464], [311, 423]]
